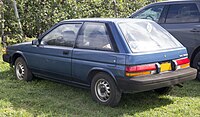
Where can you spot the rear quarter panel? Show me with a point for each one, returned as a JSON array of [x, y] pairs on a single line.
[[84, 61]]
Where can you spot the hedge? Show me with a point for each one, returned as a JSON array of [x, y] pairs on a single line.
[[39, 15]]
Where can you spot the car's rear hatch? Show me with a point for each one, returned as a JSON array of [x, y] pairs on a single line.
[[152, 48]]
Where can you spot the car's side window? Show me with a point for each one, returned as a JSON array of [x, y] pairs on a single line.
[[94, 36], [63, 35], [152, 13], [183, 13]]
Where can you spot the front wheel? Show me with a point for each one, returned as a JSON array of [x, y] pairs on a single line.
[[21, 70], [104, 90]]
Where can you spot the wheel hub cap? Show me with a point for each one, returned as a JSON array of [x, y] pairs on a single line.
[[102, 90], [20, 71]]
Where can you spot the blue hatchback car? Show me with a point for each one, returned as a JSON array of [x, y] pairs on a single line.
[[109, 56]]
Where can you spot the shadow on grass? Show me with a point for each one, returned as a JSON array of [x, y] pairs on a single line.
[[42, 97], [189, 89]]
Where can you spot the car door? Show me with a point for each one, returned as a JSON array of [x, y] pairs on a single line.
[[182, 21], [52, 58], [94, 49]]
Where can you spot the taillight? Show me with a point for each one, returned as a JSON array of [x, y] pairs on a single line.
[[147, 69], [182, 63], [140, 70]]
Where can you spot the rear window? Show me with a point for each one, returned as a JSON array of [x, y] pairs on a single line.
[[152, 13], [143, 36]]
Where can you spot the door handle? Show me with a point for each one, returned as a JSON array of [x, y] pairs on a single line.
[[65, 52]]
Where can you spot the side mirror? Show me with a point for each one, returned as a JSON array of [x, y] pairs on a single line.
[[35, 42]]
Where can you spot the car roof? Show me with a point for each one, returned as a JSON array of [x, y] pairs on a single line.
[[175, 1], [115, 20]]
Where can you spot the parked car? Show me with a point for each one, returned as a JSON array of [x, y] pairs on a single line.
[[109, 56], [182, 19]]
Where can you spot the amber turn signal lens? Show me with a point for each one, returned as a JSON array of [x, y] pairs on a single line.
[[185, 65], [138, 73]]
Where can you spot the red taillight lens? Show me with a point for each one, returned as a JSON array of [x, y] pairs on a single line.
[[141, 68], [182, 61]]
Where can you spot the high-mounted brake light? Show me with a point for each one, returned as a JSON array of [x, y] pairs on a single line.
[[183, 63], [140, 70]]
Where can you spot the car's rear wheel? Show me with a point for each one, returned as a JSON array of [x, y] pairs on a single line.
[[196, 65], [163, 91], [21, 70], [104, 90], [198, 75]]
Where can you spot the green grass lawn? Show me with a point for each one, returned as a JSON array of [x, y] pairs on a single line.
[[45, 98]]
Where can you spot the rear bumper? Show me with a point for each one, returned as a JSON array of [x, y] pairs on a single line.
[[145, 83], [6, 58]]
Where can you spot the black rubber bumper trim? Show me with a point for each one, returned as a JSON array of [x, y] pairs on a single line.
[[150, 82]]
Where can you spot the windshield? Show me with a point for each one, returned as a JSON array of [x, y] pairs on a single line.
[[143, 36]]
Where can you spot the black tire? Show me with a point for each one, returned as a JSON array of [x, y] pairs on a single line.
[[21, 70], [103, 84], [198, 75], [163, 91], [195, 65]]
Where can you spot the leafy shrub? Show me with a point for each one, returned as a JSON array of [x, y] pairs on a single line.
[[39, 15]]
